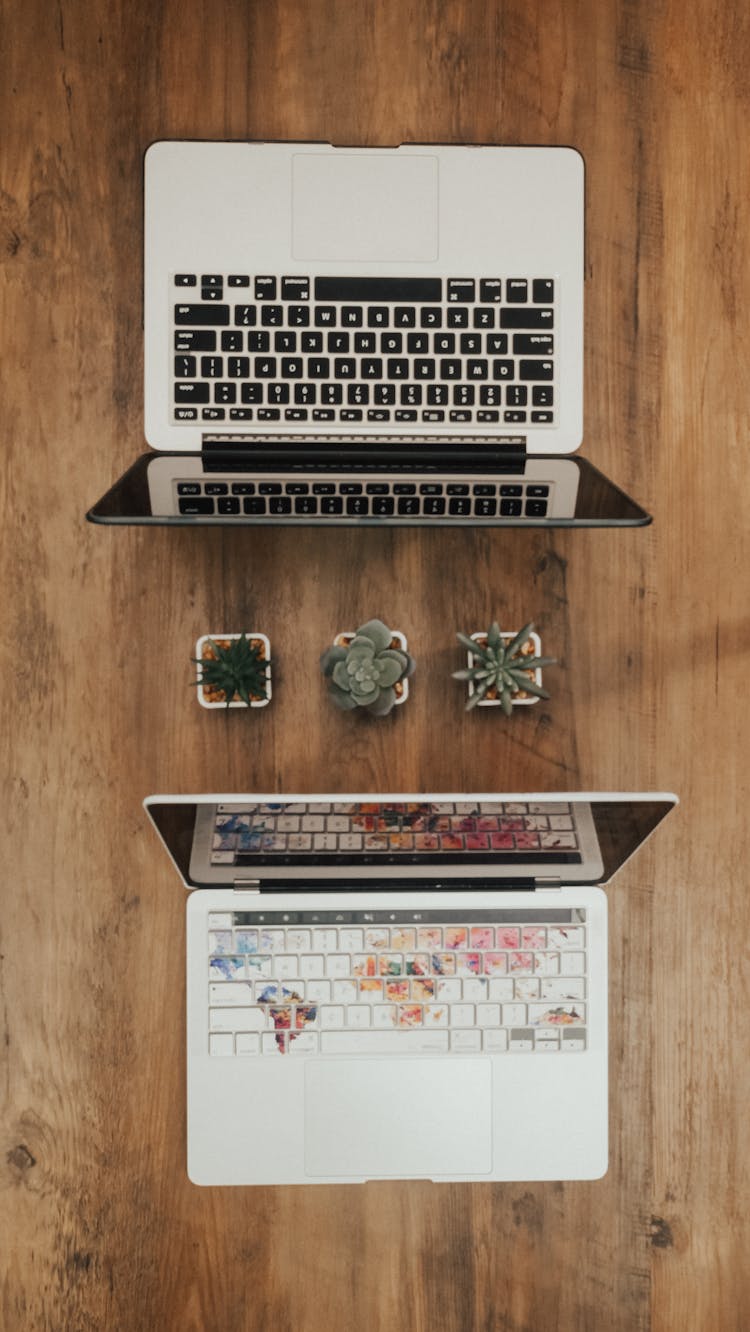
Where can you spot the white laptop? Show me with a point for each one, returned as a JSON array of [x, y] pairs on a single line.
[[394, 335], [408, 986]]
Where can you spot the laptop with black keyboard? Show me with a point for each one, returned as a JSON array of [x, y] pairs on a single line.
[[397, 986], [411, 309]]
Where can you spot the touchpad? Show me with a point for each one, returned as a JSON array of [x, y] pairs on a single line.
[[364, 207], [399, 1117]]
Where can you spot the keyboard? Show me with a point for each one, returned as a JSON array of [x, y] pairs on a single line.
[[308, 497], [518, 831], [397, 982], [402, 351]]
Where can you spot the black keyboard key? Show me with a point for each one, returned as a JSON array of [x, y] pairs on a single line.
[[190, 393], [238, 280], [369, 289], [305, 504], [344, 367], [298, 316], [200, 505], [185, 367], [323, 414], [297, 488], [378, 414], [371, 367], [358, 506], [433, 506], [225, 393], [517, 291], [429, 317], [231, 341], [411, 395], [486, 508], [511, 492], [391, 344], [463, 395], [331, 394], [357, 395], [485, 488], [258, 342], [318, 367], [277, 394], [198, 340], [471, 344], [484, 317], [404, 317], [405, 414], [397, 367], [212, 367], [201, 314], [451, 368], [331, 504], [542, 418], [542, 395], [459, 507], [189, 488], [477, 369], [377, 488], [271, 316], [352, 316], [243, 487], [251, 393], [437, 395], [488, 416], [490, 395], [457, 317], [245, 315], [212, 280], [228, 505], [185, 279], [424, 369], [404, 488], [295, 414], [444, 344], [240, 414], [378, 316], [536, 508], [325, 316], [291, 367], [534, 344], [366, 343], [269, 488], [459, 416], [408, 505], [514, 417], [212, 293], [265, 367], [543, 290], [279, 504], [265, 289], [496, 344], [351, 488], [384, 395], [490, 290], [418, 343], [285, 341], [238, 367], [295, 289], [503, 369], [435, 415], [253, 505], [305, 394], [338, 342], [350, 414], [537, 492], [311, 342], [269, 414], [461, 289], [323, 488], [516, 395], [535, 370], [457, 488], [526, 316], [212, 414], [510, 508], [382, 506]]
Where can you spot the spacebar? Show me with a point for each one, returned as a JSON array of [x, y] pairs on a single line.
[[378, 289], [383, 1042]]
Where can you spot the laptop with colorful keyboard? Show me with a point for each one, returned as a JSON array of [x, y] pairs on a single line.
[[410, 313], [398, 986]]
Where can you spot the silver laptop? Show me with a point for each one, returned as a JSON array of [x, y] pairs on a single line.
[[408, 986]]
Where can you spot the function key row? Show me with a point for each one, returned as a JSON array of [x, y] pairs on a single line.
[[377, 499]]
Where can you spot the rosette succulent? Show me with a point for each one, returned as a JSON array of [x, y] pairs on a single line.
[[364, 673], [502, 667], [239, 668]]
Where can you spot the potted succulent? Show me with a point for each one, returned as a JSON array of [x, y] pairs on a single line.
[[504, 669], [235, 670], [368, 669]]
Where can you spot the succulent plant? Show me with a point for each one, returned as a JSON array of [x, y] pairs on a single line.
[[238, 669], [502, 666], [363, 674]]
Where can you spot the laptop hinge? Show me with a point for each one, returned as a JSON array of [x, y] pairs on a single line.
[[246, 886], [229, 443], [548, 884]]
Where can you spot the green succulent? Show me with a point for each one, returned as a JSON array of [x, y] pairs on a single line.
[[237, 669], [364, 673], [503, 665]]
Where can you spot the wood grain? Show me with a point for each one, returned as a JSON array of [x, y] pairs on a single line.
[[99, 1227]]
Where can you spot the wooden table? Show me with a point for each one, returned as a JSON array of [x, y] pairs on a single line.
[[100, 1226]]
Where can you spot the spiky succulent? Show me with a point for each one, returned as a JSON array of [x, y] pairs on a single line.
[[363, 674], [502, 666], [238, 669]]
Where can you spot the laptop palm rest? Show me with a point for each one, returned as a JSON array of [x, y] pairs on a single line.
[[406, 1117]]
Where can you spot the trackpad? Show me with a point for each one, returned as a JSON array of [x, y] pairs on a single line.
[[400, 1117], [364, 208]]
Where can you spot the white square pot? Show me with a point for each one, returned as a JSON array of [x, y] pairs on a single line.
[[236, 702], [344, 638], [516, 701]]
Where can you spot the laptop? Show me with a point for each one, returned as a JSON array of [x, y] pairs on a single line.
[[398, 986], [363, 336]]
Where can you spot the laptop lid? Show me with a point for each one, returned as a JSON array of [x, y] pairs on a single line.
[[248, 238], [260, 842]]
